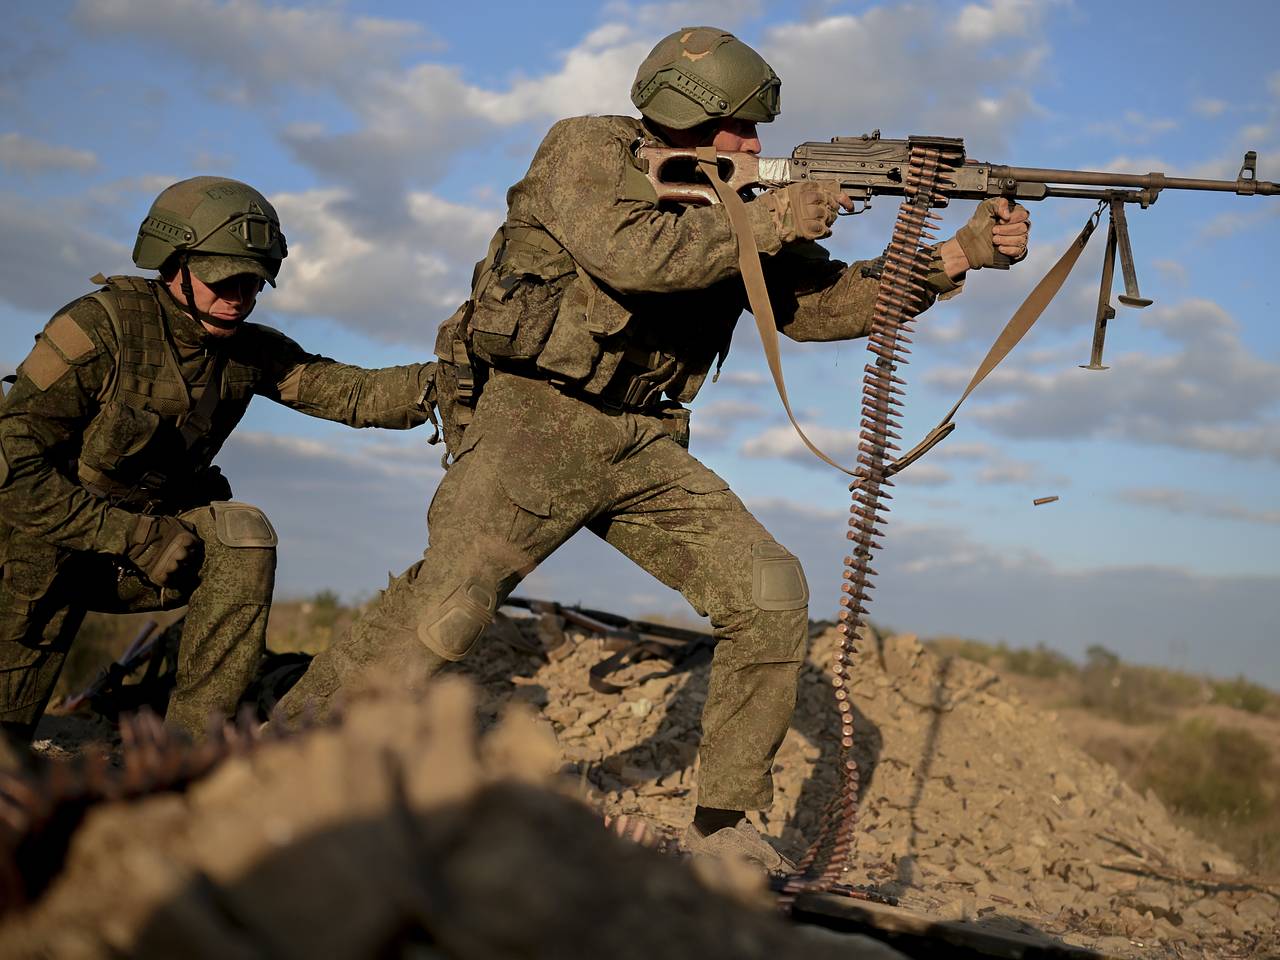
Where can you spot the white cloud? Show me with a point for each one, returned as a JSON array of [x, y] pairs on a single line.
[[1009, 472], [1134, 127], [46, 257], [782, 443], [27, 155], [397, 285], [1173, 271], [1211, 393], [864, 57], [982, 23], [1187, 502], [1209, 106], [258, 48], [921, 474], [1229, 224], [594, 77], [410, 114], [743, 378]]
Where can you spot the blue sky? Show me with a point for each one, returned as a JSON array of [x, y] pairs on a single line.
[[387, 133]]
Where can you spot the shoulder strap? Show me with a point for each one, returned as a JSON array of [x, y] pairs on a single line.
[[757, 291], [107, 302]]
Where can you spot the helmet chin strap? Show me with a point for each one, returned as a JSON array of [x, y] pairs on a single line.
[[196, 313]]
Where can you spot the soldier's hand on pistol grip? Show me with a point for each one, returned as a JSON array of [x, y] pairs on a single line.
[[999, 224], [161, 546], [805, 210]]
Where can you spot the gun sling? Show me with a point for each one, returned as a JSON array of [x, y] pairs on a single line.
[[757, 291], [1023, 319]]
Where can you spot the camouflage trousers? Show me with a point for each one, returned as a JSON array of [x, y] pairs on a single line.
[[46, 592], [533, 468]]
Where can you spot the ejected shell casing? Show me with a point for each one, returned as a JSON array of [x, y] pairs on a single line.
[[1041, 501]]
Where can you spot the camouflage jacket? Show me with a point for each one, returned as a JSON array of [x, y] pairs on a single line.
[[642, 287], [95, 412]]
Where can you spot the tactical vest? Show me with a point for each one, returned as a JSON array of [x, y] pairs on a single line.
[[150, 436], [534, 310]]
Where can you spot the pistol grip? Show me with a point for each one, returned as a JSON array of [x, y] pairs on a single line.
[[1001, 261]]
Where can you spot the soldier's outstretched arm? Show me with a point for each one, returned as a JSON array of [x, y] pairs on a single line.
[[587, 193], [389, 397], [816, 297], [41, 421]]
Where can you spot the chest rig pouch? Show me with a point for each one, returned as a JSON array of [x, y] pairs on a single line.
[[147, 429], [517, 294]]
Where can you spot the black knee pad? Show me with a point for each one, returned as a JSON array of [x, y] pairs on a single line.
[[453, 628]]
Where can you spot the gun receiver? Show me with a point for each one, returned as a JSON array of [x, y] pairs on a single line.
[[868, 166]]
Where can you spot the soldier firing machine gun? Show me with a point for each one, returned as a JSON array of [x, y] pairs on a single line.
[[869, 166], [926, 172]]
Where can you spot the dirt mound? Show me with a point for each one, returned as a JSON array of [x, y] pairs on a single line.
[[974, 805], [396, 833]]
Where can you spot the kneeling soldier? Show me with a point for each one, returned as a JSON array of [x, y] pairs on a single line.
[[108, 497]]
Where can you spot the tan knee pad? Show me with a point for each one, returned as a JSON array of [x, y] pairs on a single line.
[[242, 525], [777, 579], [455, 626]]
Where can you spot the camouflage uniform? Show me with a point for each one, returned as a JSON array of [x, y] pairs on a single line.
[[593, 304], [92, 435]]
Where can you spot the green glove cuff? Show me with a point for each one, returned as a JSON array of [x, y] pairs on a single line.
[[975, 237]]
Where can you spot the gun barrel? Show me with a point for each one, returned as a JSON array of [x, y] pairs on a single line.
[[1157, 181]]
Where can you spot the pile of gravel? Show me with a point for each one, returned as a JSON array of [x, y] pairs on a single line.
[[975, 805]]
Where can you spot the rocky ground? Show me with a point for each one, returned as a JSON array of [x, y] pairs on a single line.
[[400, 834], [974, 804]]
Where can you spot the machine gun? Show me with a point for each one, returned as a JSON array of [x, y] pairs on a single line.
[[868, 166]]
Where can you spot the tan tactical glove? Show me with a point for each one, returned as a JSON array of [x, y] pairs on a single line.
[[998, 224], [804, 210], [160, 547]]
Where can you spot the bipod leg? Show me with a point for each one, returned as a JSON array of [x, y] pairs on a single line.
[[1105, 310], [1131, 297]]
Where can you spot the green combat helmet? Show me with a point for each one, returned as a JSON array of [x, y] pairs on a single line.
[[702, 73], [219, 227]]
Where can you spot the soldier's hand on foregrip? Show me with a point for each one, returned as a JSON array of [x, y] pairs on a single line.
[[160, 547], [805, 210], [998, 226]]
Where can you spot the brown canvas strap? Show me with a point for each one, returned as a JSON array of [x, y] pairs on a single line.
[[1023, 320], [757, 291]]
